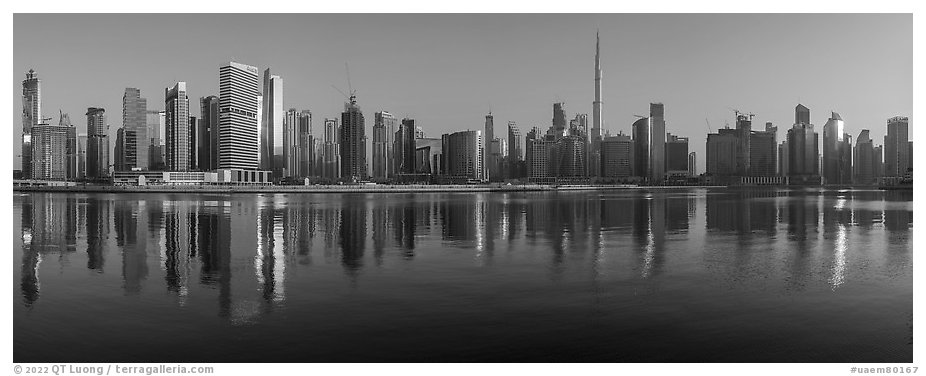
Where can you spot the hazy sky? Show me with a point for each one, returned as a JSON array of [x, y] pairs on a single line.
[[448, 70]]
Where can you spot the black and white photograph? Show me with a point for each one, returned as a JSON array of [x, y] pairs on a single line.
[[215, 192]]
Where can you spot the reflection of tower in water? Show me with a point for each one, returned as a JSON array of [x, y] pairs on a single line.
[[49, 226]]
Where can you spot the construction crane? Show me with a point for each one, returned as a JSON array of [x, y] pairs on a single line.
[[352, 98], [738, 113], [708, 125]]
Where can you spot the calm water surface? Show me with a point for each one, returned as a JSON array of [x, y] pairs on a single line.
[[630, 276]]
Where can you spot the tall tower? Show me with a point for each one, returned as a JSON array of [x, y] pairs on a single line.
[[97, 143], [353, 146], [136, 142], [271, 126], [177, 115], [488, 160], [238, 116], [595, 136], [32, 115], [657, 144]]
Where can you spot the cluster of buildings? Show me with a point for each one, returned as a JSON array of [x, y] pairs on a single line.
[[244, 135], [746, 156]]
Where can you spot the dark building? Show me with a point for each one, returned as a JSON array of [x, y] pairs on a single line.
[[864, 160], [722, 152], [97, 144], [352, 142], [744, 146], [640, 129], [208, 137], [404, 147], [676, 156], [616, 157], [763, 152]]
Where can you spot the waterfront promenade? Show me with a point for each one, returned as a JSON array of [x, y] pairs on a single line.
[[377, 188]]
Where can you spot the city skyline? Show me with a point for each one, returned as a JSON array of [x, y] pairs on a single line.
[[865, 99]]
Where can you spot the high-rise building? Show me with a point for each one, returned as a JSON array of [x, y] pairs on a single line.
[[156, 123], [721, 150], [676, 156], [878, 168], [897, 147], [119, 151], [428, 156], [515, 150], [193, 151], [71, 149], [297, 144], [238, 138], [49, 146], [208, 139], [641, 147], [616, 156], [803, 153], [177, 138], [81, 156], [353, 147], [595, 135], [801, 114], [763, 152], [32, 116], [331, 151], [784, 154], [837, 152], [864, 160], [136, 143], [271, 128], [405, 147], [559, 120], [383, 154], [489, 159], [744, 146], [538, 156], [305, 145], [97, 144], [569, 157], [692, 164], [657, 143], [463, 155]]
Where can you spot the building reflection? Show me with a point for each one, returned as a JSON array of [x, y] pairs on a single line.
[[353, 230], [131, 228], [48, 227]]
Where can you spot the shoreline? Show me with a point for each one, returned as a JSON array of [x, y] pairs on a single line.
[[312, 189]]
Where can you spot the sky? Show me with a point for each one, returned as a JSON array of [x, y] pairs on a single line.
[[448, 71]]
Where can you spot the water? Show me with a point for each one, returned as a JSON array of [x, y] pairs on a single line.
[[613, 276]]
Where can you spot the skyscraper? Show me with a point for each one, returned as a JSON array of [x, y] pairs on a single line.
[[49, 158], [32, 115], [641, 147], [676, 156], [297, 144], [271, 128], [209, 133], [97, 144], [305, 145], [489, 160], [803, 152], [896, 147], [616, 157], [381, 147], [353, 147], [156, 130], [864, 159], [405, 147], [744, 146], [692, 164], [595, 136], [657, 144], [193, 150], [515, 151], [837, 152], [559, 120], [763, 152], [238, 141], [722, 150], [177, 117], [136, 142], [463, 155], [331, 159]]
